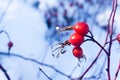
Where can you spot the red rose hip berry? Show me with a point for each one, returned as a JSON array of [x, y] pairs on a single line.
[[81, 27], [10, 44], [76, 39], [77, 52], [118, 37]]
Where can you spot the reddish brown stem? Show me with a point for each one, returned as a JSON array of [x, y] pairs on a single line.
[[102, 48], [80, 78], [118, 69], [110, 30], [108, 68], [110, 26], [112, 41]]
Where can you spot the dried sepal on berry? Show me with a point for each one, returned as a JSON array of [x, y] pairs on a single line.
[[60, 48]]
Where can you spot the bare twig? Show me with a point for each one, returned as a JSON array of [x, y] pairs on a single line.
[[37, 62], [102, 48], [45, 74], [110, 31], [4, 12], [116, 74], [111, 23], [4, 71], [3, 31]]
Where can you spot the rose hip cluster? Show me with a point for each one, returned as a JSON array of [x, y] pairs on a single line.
[[76, 39]]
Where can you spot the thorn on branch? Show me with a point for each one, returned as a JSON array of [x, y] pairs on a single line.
[[107, 70]]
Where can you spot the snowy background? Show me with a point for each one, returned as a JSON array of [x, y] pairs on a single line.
[[28, 31]]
